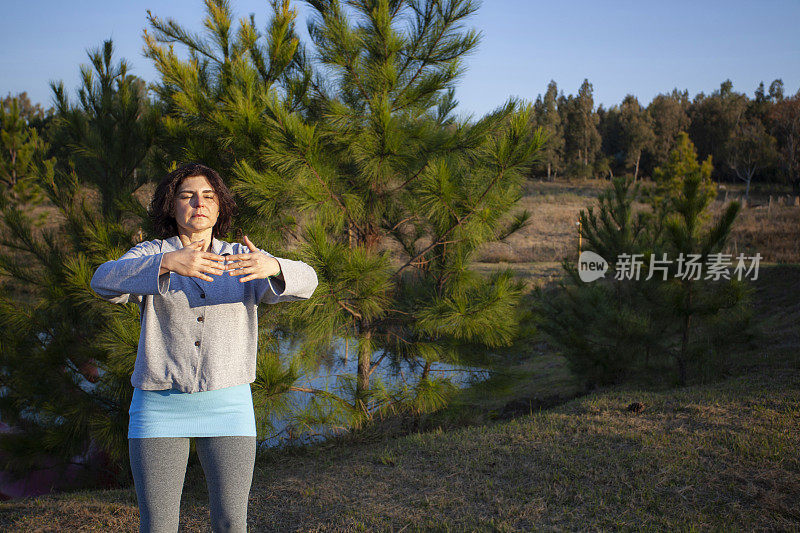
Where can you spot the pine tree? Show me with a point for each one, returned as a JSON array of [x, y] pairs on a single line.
[[21, 145], [582, 140], [108, 138], [368, 177], [65, 393], [34, 115], [604, 327], [784, 120], [682, 163], [612, 147], [668, 115], [703, 315], [661, 316], [66, 369], [637, 132], [213, 103], [219, 108], [713, 119], [549, 119], [749, 150]]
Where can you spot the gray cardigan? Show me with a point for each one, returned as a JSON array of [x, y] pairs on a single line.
[[196, 335]]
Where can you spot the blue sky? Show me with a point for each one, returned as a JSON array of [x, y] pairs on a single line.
[[639, 47]]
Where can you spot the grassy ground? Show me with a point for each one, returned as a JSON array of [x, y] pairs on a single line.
[[711, 457], [716, 455]]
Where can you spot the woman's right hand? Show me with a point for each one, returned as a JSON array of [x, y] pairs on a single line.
[[192, 261]]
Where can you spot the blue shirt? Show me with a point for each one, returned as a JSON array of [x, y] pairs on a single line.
[[196, 335]]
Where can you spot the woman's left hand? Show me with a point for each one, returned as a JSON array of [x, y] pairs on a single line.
[[255, 264]]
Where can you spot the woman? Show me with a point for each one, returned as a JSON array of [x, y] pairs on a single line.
[[196, 357]]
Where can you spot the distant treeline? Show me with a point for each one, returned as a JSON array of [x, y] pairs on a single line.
[[754, 139], [749, 139]]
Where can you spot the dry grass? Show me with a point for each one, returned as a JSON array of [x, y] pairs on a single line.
[[552, 231], [719, 457], [773, 231], [771, 228]]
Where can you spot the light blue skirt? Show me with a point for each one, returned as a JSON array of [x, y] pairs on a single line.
[[172, 413]]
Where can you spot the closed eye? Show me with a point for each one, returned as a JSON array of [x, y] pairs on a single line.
[[207, 195]]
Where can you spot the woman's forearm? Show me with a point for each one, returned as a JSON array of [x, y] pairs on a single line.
[[165, 263], [137, 272]]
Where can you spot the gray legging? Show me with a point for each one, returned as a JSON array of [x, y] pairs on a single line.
[[159, 467]]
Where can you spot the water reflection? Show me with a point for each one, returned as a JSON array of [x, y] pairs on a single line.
[[335, 365]]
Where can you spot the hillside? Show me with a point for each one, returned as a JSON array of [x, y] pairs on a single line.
[[720, 457]]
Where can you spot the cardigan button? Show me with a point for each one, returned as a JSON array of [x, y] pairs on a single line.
[[199, 319], [202, 295], [197, 343]]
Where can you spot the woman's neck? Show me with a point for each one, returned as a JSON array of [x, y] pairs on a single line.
[[188, 238]]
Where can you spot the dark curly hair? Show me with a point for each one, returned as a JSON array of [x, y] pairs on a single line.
[[161, 206]]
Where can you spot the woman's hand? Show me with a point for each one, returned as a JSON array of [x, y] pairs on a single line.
[[256, 265], [192, 261]]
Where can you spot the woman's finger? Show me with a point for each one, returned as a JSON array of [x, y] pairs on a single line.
[[245, 270], [238, 257], [211, 265], [252, 275], [205, 269], [212, 256], [240, 264]]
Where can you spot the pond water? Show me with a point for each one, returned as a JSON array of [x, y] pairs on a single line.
[[336, 365]]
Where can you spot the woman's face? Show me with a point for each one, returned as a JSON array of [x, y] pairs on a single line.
[[196, 205]]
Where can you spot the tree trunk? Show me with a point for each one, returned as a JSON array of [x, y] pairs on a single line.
[[636, 170], [13, 168], [684, 355], [364, 360], [681, 371], [747, 189], [350, 234], [426, 370]]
